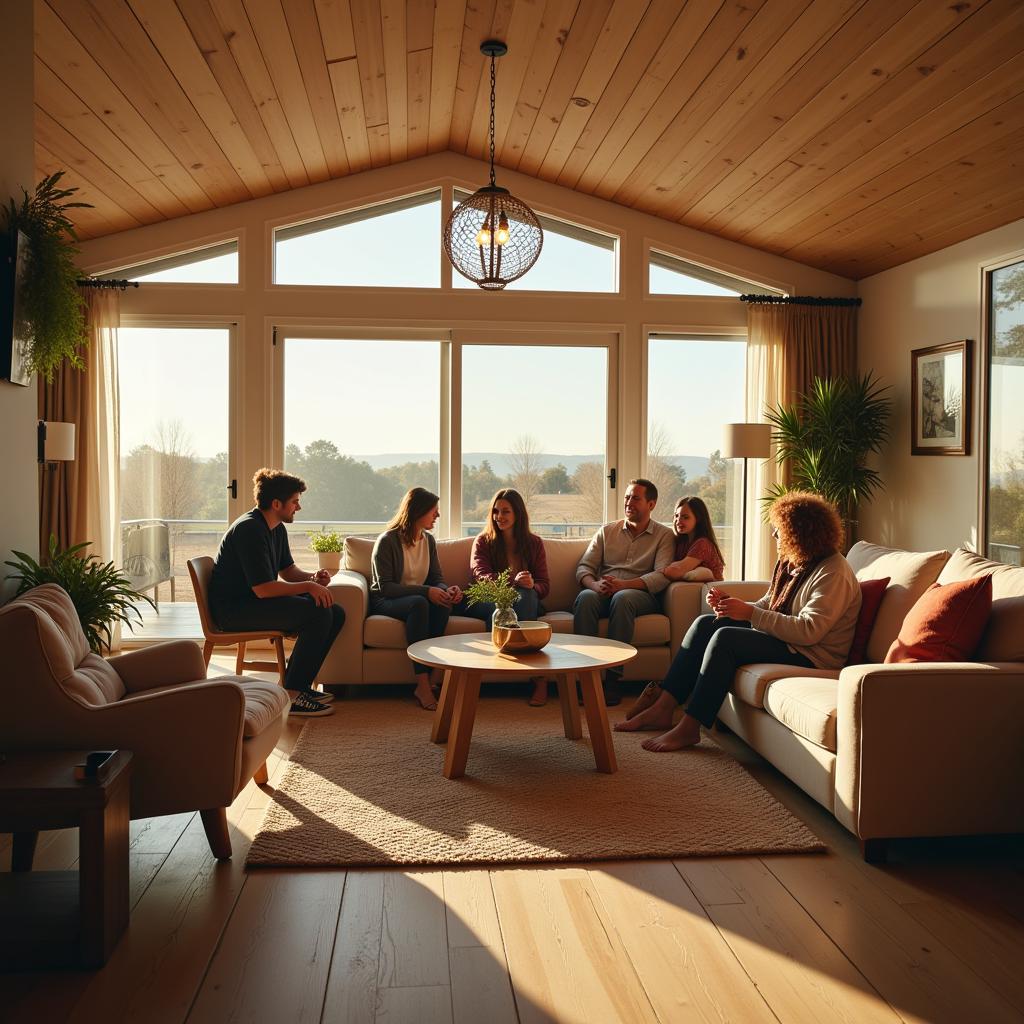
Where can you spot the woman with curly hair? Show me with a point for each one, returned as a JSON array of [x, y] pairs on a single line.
[[807, 618]]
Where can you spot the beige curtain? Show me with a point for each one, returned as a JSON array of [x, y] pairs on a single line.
[[80, 501], [788, 345]]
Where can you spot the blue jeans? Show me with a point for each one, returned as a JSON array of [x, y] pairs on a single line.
[[527, 607], [621, 609], [422, 619], [711, 652]]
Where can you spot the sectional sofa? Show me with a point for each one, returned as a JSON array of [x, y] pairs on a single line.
[[371, 648], [925, 749]]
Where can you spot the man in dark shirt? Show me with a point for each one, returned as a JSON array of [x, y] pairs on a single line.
[[257, 585]]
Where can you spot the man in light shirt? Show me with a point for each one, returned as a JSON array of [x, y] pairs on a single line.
[[621, 574]]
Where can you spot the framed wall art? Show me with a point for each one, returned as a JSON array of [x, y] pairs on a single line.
[[941, 399]]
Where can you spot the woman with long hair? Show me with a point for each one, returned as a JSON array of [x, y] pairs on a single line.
[[407, 582], [697, 558], [807, 618], [506, 542], [696, 544]]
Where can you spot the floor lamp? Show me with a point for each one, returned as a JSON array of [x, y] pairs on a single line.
[[746, 441]]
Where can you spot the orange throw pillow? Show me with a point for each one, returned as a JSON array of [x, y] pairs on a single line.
[[946, 624]]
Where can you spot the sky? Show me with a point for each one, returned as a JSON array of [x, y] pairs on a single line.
[[556, 394]]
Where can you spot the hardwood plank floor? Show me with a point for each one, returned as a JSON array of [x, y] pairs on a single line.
[[936, 936]]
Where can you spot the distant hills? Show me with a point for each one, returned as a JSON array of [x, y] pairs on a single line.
[[501, 462]]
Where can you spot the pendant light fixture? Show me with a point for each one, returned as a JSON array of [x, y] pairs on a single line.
[[492, 237]]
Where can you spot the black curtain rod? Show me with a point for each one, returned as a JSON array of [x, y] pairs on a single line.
[[800, 300], [95, 282]]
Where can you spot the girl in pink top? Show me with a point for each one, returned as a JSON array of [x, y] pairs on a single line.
[[696, 545], [507, 543]]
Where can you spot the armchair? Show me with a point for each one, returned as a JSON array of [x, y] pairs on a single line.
[[196, 742]]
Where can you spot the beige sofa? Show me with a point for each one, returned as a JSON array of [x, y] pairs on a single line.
[[908, 749], [371, 648]]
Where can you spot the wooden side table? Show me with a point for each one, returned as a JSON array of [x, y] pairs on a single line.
[[48, 925], [467, 658]]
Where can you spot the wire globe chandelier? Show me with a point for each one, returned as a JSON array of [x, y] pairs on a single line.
[[492, 238]]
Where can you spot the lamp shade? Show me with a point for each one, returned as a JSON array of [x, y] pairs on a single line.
[[747, 441], [58, 442]]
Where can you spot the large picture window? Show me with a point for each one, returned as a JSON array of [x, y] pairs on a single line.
[[534, 418], [1005, 470], [361, 426], [694, 386]]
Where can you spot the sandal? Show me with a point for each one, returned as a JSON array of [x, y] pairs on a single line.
[[648, 695]]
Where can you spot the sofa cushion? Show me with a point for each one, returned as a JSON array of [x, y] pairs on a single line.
[[946, 623], [805, 706], [648, 630], [910, 574], [871, 594], [563, 556], [388, 633], [751, 681], [1003, 639], [358, 554], [561, 622]]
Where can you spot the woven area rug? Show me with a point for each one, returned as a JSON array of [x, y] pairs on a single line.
[[365, 787]]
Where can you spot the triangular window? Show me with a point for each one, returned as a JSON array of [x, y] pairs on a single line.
[[396, 244], [213, 264], [670, 275]]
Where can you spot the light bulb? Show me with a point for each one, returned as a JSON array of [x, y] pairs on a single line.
[[483, 236], [501, 235]]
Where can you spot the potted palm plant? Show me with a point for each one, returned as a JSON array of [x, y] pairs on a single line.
[[101, 593], [328, 545], [824, 439]]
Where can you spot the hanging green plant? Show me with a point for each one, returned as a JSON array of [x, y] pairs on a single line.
[[51, 304]]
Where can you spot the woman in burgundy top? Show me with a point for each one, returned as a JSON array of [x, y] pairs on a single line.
[[507, 543], [696, 545]]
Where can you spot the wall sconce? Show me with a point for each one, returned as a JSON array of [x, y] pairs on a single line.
[[56, 442]]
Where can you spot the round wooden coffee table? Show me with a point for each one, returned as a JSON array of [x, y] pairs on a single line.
[[467, 658]]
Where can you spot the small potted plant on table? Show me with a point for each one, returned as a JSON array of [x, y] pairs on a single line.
[[328, 545], [499, 592]]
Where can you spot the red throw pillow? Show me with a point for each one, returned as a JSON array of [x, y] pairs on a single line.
[[871, 594], [946, 624]]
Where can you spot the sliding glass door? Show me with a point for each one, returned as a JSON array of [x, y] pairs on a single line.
[[175, 445]]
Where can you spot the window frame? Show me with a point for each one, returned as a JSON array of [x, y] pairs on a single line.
[[174, 257], [986, 271], [652, 246]]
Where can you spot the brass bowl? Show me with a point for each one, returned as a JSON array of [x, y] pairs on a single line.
[[522, 639]]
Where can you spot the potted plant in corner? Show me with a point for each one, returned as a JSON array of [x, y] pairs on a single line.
[[328, 545], [824, 439], [51, 308], [101, 593]]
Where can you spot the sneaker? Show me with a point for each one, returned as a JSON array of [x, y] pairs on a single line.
[[323, 696], [308, 708]]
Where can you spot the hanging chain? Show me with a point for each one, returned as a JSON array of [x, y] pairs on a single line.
[[492, 120]]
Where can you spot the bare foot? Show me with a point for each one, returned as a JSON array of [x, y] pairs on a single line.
[[652, 720], [685, 734], [424, 696], [648, 697]]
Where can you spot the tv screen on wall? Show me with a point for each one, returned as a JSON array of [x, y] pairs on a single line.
[[13, 333]]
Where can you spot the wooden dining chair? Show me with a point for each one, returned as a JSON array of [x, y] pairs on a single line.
[[201, 569]]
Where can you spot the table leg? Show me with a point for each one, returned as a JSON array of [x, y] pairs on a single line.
[[462, 725], [445, 706], [597, 722], [570, 709], [23, 850], [103, 877]]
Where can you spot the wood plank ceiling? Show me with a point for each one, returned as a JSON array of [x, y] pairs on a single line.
[[851, 135]]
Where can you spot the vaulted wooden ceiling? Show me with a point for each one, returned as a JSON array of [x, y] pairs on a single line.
[[851, 135]]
